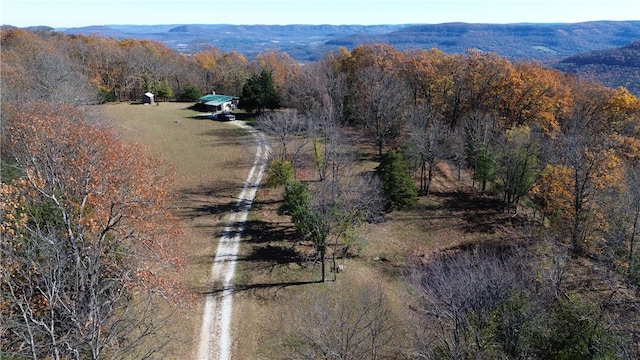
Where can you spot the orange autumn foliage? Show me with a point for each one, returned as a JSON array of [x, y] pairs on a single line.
[[106, 191]]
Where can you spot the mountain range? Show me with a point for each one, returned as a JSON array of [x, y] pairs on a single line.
[[311, 42]]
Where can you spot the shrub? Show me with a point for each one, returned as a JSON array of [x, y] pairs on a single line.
[[279, 173], [105, 96]]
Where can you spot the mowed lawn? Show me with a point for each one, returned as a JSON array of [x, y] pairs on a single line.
[[275, 280], [212, 160]]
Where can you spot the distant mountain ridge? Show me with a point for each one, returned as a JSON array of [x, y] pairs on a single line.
[[627, 56], [302, 42], [534, 41], [310, 42]]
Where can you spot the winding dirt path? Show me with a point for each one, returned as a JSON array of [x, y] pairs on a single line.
[[215, 335]]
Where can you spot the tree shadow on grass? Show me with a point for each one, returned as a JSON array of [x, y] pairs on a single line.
[[197, 202], [273, 254], [269, 245], [253, 287], [265, 257], [482, 214], [260, 232]]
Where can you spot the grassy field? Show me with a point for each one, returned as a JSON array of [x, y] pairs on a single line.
[[275, 285], [212, 160]]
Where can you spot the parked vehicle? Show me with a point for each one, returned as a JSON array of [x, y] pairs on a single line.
[[224, 116]]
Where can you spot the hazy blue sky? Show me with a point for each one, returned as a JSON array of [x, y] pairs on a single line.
[[72, 13]]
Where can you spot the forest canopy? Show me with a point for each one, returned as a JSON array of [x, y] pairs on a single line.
[[85, 219]]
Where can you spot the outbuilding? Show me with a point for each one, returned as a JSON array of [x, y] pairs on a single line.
[[147, 98], [217, 103]]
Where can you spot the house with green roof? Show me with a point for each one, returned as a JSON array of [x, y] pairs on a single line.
[[216, 103]]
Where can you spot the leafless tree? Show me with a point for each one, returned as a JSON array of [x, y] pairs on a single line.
[[459, 292], [286, 126], [57, 312], [633, 194], [79, 244], [380, 99], [49, 74], [427, 133], [344, 198], [355, 325], [321, 98]]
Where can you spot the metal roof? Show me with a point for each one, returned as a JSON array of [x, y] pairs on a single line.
[[216, 100]]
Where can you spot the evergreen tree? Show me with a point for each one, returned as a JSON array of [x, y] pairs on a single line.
[[259, 93], [164, 90], [190, 93], [309, 223], [271, 100], [397, 184]]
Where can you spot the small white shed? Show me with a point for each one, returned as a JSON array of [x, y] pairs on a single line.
[[147, 98]]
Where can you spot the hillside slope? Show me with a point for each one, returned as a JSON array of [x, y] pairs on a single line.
[[614, 67]]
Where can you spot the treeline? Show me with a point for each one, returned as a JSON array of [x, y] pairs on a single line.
[[77, 69], [522, 129], [626, 56], [551, 147]]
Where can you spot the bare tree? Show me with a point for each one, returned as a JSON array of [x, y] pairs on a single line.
[[321, 97], [380, 99], [459, 292], [633, 193], [286, 126], [427, 133], [338, 325], [80, 246]]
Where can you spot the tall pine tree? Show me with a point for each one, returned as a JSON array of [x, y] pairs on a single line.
[[260, 93], [397, 184]]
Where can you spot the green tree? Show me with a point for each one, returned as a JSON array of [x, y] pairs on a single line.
[[298, 203], [516, 166], [484, 168], [280, 172], [577, 330], [190, 93], [397, 184], [259, 93], [105, 96], [164, 90]]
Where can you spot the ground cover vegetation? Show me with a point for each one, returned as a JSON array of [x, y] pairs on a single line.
[[492, 206]]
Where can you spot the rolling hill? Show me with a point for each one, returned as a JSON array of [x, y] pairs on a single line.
[[513, 41], [613, 67], [548, 42]]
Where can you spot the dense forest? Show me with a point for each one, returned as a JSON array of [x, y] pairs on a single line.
[[612, 67], [85, 223]]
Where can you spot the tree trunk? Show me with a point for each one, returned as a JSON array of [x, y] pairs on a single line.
[[423, 170], [429, 177], [633, 239], [323, 278]]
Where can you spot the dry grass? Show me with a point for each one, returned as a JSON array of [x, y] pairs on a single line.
[[212, 161]]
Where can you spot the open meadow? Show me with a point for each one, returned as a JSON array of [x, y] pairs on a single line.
[[211, 162], [275, 281]]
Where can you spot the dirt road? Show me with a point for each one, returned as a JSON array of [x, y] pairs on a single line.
[[215, 335]]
